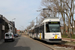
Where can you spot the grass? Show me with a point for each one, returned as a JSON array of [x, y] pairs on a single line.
[[71, 42], [66, 36], [73, 36], [74, 42]]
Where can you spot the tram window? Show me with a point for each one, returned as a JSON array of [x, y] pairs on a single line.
[[52, 27], [47, 28], [42, 28], [37, 30]]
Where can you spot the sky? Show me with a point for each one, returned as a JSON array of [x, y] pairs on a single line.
[[24, 11]]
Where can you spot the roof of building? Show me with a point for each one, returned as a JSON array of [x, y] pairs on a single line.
[[2, 17]]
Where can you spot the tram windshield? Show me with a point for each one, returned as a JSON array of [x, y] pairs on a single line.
[[52, 27]]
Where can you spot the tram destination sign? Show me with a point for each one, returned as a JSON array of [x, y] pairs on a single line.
[[54, 22]]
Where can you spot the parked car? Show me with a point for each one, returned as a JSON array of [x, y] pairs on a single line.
[[9, 36], [16, 35]]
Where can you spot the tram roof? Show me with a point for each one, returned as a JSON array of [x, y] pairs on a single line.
[[33, 27], [49, 19]]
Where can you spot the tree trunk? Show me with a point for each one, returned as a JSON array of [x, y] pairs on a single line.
[[63, 16]]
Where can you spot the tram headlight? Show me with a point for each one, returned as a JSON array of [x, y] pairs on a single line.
[[53, 37], [58, 37]]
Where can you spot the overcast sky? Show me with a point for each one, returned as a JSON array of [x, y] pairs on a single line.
[[23, 10]]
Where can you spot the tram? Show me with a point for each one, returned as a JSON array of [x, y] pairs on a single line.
[[48, 30]]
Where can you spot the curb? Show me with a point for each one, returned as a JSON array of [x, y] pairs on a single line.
[[68, 40]]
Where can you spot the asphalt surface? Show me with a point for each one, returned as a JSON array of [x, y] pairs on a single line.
[[23, 43]]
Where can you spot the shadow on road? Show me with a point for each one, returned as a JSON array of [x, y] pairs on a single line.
[[20, 48], [12, 45]]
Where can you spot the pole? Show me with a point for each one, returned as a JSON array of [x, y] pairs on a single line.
[[36, 20]]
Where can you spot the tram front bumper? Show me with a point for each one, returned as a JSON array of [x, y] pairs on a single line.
[[54, 40]]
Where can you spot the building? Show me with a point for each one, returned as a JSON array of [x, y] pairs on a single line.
[[3, 26], [13, 26]]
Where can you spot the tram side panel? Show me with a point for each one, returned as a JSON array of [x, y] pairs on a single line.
[[36, 32], [39, 32]]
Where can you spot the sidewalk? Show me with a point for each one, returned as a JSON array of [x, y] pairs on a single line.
[[1, 41], [68, 39]]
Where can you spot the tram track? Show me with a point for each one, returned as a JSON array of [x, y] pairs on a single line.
[[66, 46]]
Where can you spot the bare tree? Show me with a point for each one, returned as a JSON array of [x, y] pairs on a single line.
[[63, 7], [44, 13], [41, 20], [32, 24]]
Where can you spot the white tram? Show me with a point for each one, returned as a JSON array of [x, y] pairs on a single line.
[[48, 30], [31, 32]]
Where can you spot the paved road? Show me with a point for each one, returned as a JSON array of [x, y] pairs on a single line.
[[23, 43]]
